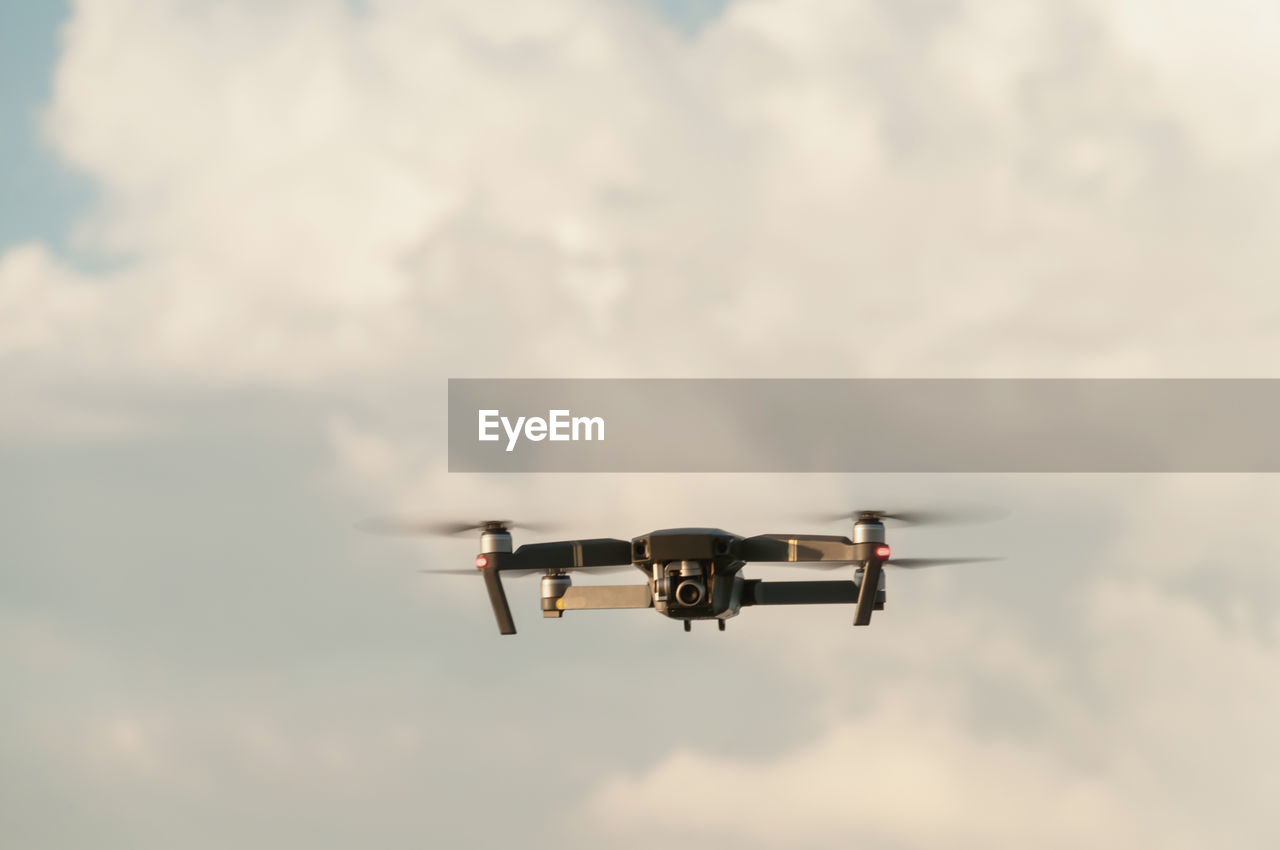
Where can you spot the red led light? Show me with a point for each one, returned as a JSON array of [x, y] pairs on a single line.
[[882, 551], [481, 562]]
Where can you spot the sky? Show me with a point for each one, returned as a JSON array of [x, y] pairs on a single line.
[[243, 246]]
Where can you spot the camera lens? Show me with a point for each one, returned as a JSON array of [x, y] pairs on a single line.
[[690, 592]]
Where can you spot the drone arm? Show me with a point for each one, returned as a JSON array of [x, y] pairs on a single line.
[[605, 597], [867, 592], [498, 599], [575, 554], [796, 548], [757, 592], [780, 548]]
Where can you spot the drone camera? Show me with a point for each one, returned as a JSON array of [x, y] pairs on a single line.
[[684, 583], [690, 592]]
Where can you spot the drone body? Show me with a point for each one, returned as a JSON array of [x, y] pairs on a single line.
[[696, 574], [693, 573]]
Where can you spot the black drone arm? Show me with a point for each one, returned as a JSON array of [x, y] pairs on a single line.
[[818, 548], [757, 592], [571, 554]]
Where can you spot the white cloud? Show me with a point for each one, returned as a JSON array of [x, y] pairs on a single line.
[[1211, 66], [1164, 725], [307, 192], [40, 301], [352, 205], [896, 777]]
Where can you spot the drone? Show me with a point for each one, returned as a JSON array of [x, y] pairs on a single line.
[[690, 573]]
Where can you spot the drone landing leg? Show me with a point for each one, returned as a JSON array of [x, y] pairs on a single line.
[[498, 599], [867, 593]]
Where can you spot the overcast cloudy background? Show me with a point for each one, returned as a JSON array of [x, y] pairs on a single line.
[[243, 245]]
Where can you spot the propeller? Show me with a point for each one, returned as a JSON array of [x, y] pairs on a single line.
[[918, 563], [449, 528], [952, 515], [446, 528]]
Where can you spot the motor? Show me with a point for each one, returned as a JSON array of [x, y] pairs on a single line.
[[553, 588]]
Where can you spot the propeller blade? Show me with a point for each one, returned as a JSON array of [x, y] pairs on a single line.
[[917, 563], [447, 528], [952, 515]]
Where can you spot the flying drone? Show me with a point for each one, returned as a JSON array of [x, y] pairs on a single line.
[[690, 573]]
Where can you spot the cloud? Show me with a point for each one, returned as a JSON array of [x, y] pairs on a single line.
[[334, 209], [311, 194], [893, 778], [1209, 67], [1131, 756]]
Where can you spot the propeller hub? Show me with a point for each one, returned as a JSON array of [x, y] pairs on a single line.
[[495, 538], [868, 530]]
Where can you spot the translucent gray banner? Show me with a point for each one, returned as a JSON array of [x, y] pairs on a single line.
[[866, 425]]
